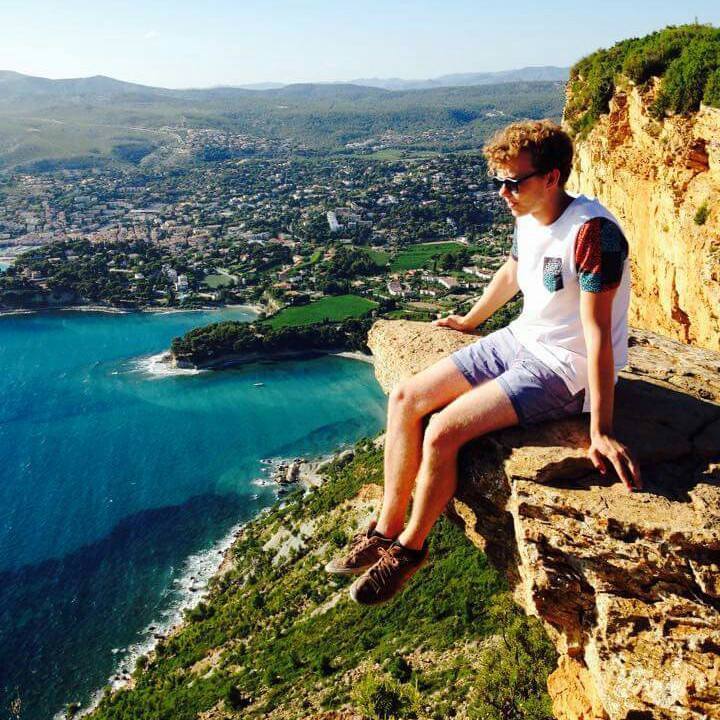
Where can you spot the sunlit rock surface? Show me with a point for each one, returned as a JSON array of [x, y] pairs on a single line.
[[627, 584]]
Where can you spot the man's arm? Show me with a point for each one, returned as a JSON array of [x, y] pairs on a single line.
[[502, 288], [596, 318]]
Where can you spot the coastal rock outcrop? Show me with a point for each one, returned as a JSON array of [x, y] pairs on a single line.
[[627, 584], [662, 181]]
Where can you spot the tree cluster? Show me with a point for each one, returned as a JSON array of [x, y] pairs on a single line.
[[205, 344]]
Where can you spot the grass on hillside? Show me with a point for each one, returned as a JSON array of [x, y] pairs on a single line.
[[419, 256], [283, 639], [332, 309], [27, 139]]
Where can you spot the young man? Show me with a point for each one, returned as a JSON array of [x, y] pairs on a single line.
[[560, 357]]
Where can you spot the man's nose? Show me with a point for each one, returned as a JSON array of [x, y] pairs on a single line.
[[504, 192]]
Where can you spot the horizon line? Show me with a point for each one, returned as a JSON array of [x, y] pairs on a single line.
[[249, 85]]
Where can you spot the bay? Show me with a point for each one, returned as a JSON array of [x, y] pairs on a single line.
[[116, 483]]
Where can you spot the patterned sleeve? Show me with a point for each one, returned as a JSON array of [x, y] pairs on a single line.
[[600, 252], [513, 247]]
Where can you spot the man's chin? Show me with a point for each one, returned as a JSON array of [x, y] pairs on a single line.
[[517, 211]]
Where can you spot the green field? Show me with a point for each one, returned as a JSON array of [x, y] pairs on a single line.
[[420, 255], [410, 315], [380, 257], [218, 281], [328, 308]]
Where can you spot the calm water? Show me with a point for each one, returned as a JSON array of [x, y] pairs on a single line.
[[111, 478]]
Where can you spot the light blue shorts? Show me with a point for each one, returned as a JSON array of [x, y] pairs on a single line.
[[536, 392]]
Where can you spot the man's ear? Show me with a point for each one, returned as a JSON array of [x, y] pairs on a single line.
[[553, 179]]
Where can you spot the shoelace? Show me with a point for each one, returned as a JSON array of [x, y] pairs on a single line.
[[359, 543], [382, 569]]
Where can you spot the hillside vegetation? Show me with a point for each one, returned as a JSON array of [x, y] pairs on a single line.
[[686, 58], [279, 638], [96, 121]]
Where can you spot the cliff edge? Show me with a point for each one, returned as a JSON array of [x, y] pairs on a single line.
[[661, 178], [628, 585]]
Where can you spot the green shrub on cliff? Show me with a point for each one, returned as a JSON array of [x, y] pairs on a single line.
[[712, 89], [684, 83], [701, 214], [384, 697], [686, 58], [513, 667]]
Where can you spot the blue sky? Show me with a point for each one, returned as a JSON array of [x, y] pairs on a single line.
[[180, 43]]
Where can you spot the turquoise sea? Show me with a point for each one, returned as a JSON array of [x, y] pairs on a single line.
[[117, 485]]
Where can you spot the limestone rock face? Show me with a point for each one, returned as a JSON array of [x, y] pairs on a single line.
[[655, 176], [627, 584]]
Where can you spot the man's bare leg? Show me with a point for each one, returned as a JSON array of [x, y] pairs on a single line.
[[410, 400], [481, 410]]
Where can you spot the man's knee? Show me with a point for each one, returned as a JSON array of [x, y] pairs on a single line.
[[407, 398], [440, 437]]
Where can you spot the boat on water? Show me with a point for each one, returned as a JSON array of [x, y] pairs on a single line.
[[258, 384]]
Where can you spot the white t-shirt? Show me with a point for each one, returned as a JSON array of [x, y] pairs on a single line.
[[550, 279]]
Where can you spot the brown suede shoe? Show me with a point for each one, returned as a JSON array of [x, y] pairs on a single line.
[[384, 579], [363, 552]]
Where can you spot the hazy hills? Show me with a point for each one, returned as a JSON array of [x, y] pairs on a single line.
[[539, 73], [86, 119], [13, 83]]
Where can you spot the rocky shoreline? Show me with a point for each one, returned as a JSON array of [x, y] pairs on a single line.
[[286, 473], [110, 309], [299, 471]]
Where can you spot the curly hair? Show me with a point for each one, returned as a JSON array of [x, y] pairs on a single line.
[[548, 144]]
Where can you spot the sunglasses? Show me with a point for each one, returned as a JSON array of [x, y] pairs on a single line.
[[512, 184]]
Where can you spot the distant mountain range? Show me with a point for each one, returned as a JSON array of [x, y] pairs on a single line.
[[99, 119], [541, 73], [17, 83]]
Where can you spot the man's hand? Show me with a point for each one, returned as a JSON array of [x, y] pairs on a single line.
[[604, 448], [456, 322]]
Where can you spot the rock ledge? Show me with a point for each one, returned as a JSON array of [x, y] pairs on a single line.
[[628, 585]]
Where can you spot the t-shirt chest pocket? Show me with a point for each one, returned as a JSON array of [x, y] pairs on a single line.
[[552, 273]]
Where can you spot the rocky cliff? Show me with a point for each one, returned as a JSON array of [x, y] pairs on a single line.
[[628, 585], [662, 181]]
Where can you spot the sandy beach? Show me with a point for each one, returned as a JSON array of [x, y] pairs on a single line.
[[356, 355]]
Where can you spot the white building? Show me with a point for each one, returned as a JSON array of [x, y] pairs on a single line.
[[333, 221], [448, 282], [478, 272]]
